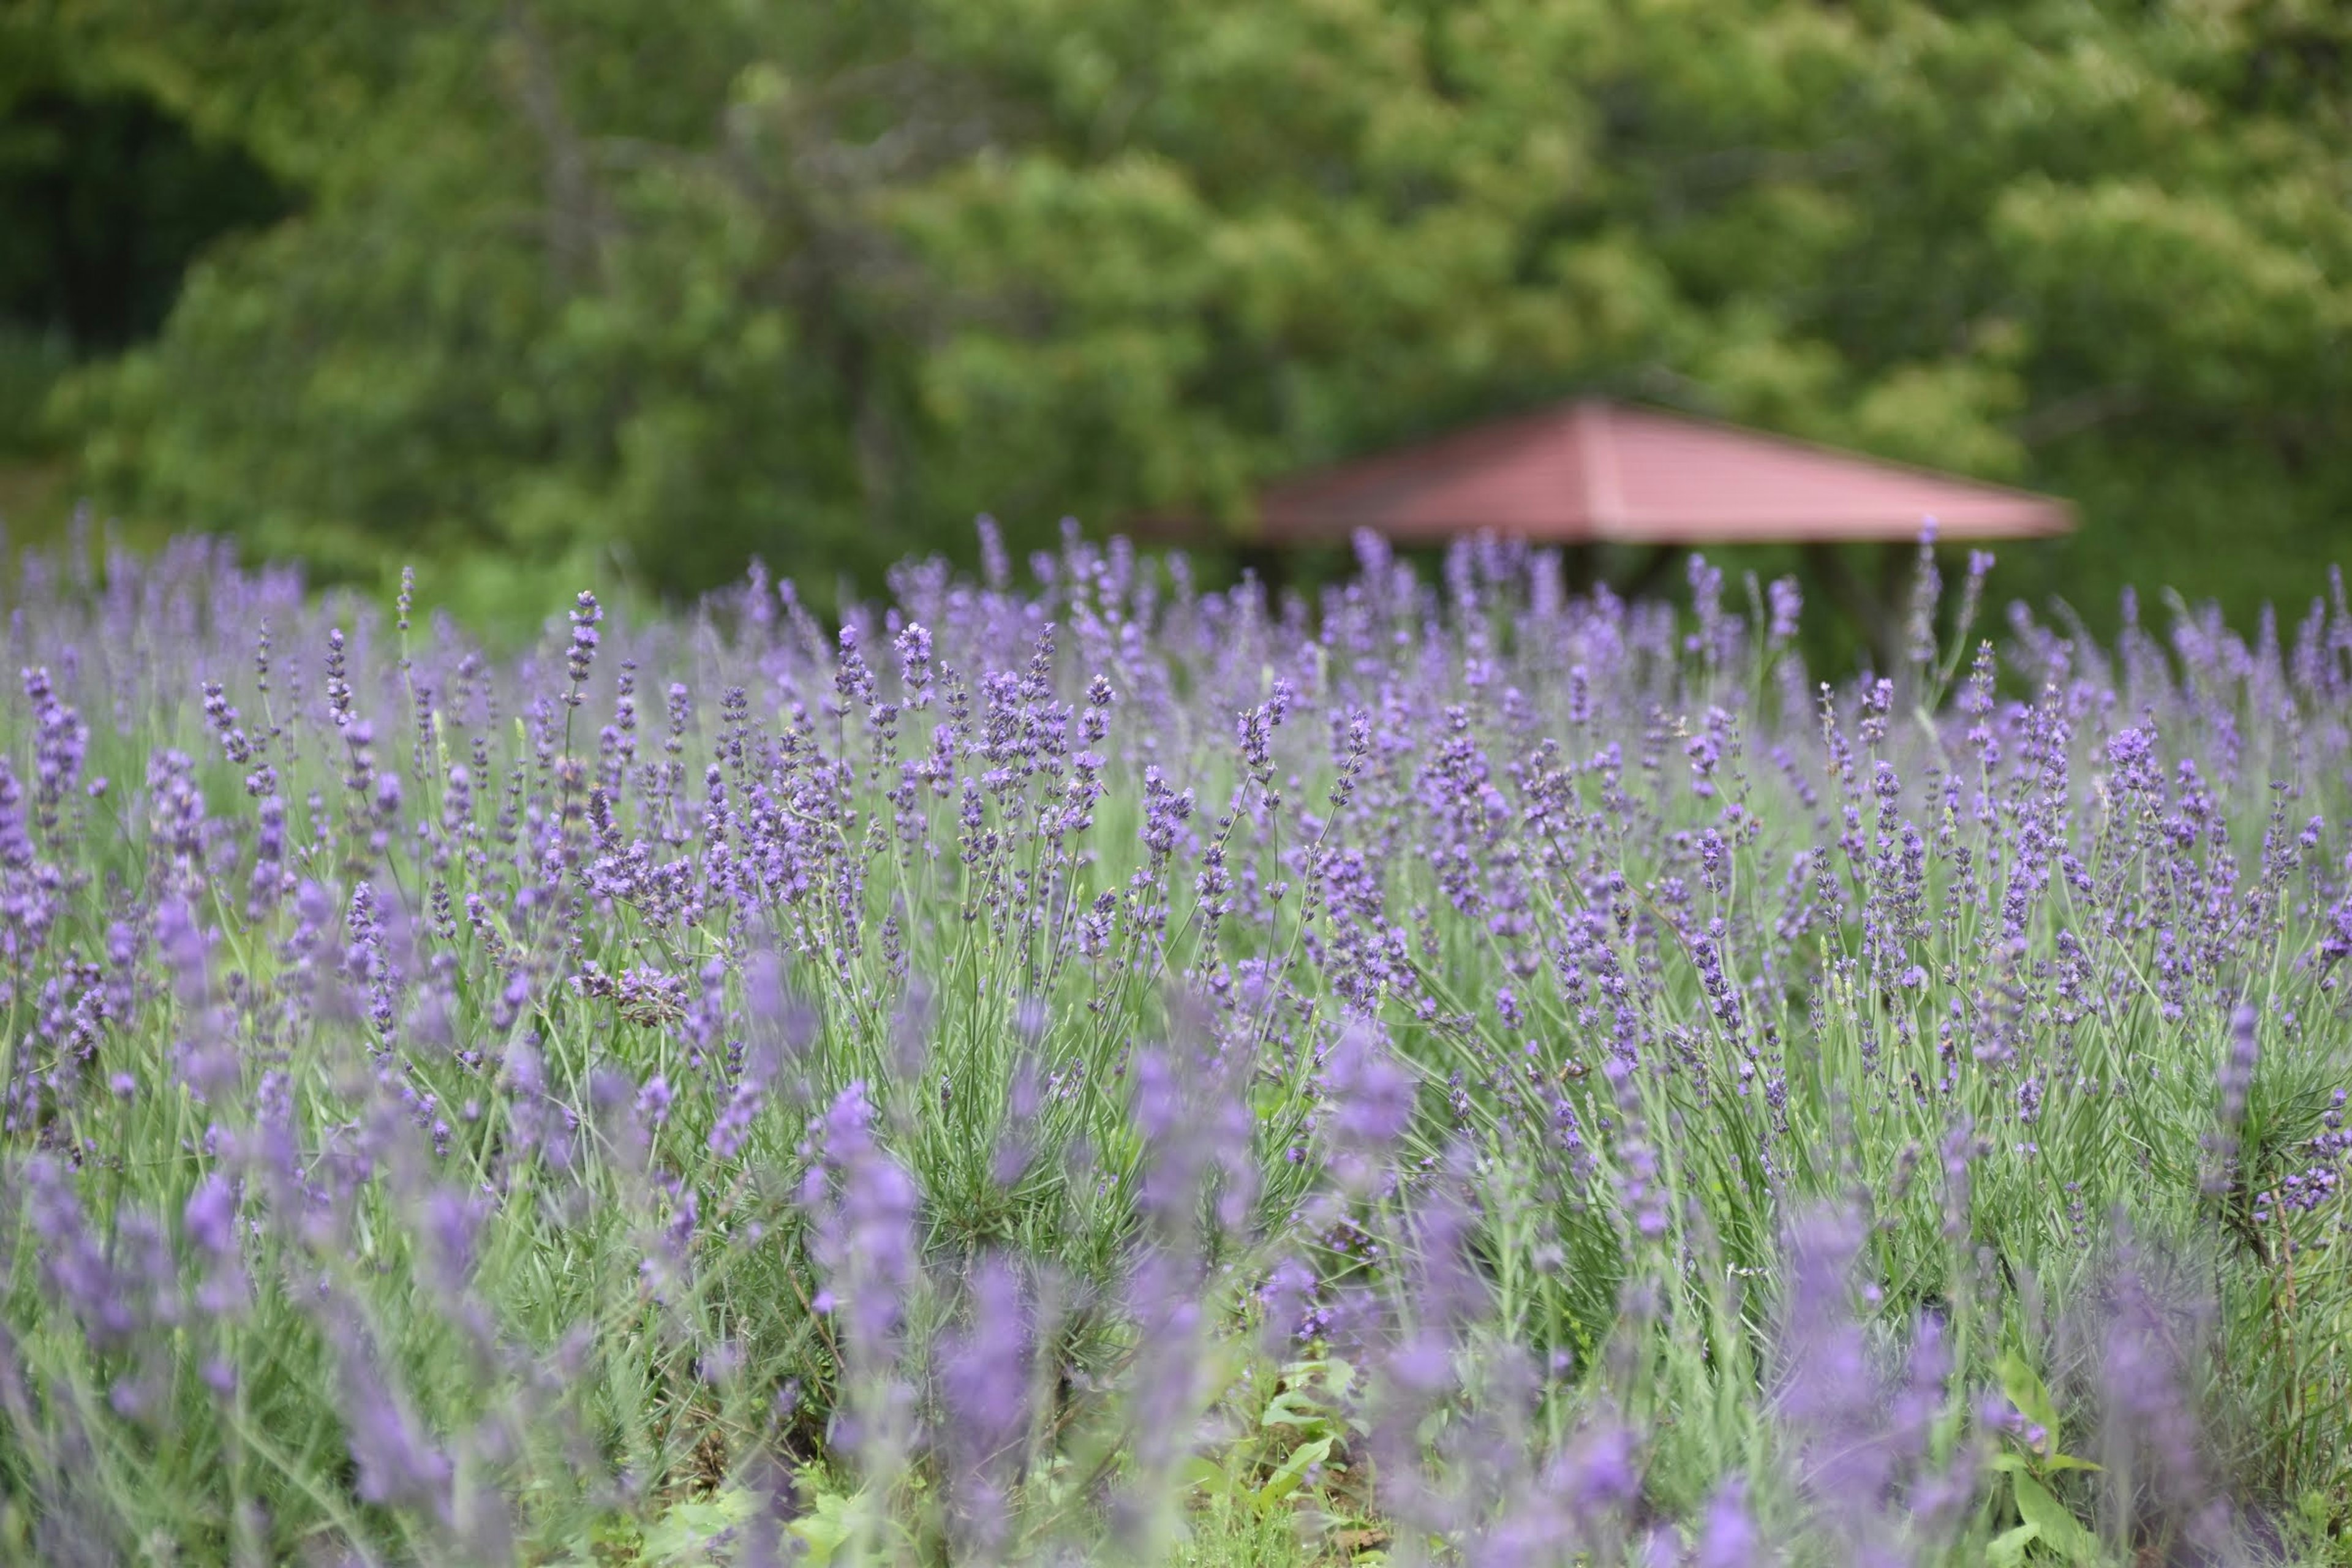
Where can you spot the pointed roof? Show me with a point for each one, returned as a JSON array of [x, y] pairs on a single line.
[[1599, 471]]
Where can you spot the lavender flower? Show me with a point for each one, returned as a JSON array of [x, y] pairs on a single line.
[[582, 652], [1106, 992]]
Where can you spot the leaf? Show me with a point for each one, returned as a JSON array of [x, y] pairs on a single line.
[[681, 1536], [1338, 1375], [613, 1539], [824, 1528], [1312, 1398], [2019, 1464], [2007, 1548], [1292, 1474], [1292, 1407], [1208, 1475], [2025, 1390], [2049, 1516]]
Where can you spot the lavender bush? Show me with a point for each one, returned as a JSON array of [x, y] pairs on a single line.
[[1100, 1070]]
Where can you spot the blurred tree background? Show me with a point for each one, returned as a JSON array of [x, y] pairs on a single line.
[[548, 285]]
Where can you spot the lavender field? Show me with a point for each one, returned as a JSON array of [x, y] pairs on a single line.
[[1066, 1067]]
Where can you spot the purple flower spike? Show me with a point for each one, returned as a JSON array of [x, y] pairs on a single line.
[[1728, 1537]]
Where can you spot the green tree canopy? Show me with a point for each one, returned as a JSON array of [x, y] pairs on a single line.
[[103, 200], [820, 281]]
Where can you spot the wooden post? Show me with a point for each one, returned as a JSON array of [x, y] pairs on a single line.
[[1871, 610]]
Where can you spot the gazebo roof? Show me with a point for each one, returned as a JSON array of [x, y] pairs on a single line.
[[1594, 471]]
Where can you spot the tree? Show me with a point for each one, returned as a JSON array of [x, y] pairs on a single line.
[[103, 199], [819, 282]]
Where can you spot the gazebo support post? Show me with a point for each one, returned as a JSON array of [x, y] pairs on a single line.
[[1647, 576], [1270, 564], [1871, 609], [1581, 565]]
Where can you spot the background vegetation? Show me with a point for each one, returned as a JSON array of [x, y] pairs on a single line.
[[519, 281]]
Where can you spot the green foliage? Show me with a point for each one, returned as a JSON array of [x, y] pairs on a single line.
[[1291, 1440], [103, 200], [2041, 1517], [820, 281]]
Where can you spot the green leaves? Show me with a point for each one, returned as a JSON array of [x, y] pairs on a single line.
[[1312, 1401], [2044, 1519], [671, 296], [2024, 1388], [1292, 1473], [829, 1524], [2046, 1522], [1299, 1431], [700, 1533]]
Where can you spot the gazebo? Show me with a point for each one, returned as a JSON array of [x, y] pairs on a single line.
[[1590, 473]]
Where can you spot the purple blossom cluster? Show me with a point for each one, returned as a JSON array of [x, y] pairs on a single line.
[[979, 1049]]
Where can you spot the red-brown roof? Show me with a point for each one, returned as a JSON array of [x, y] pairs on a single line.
[[1597, 471]]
